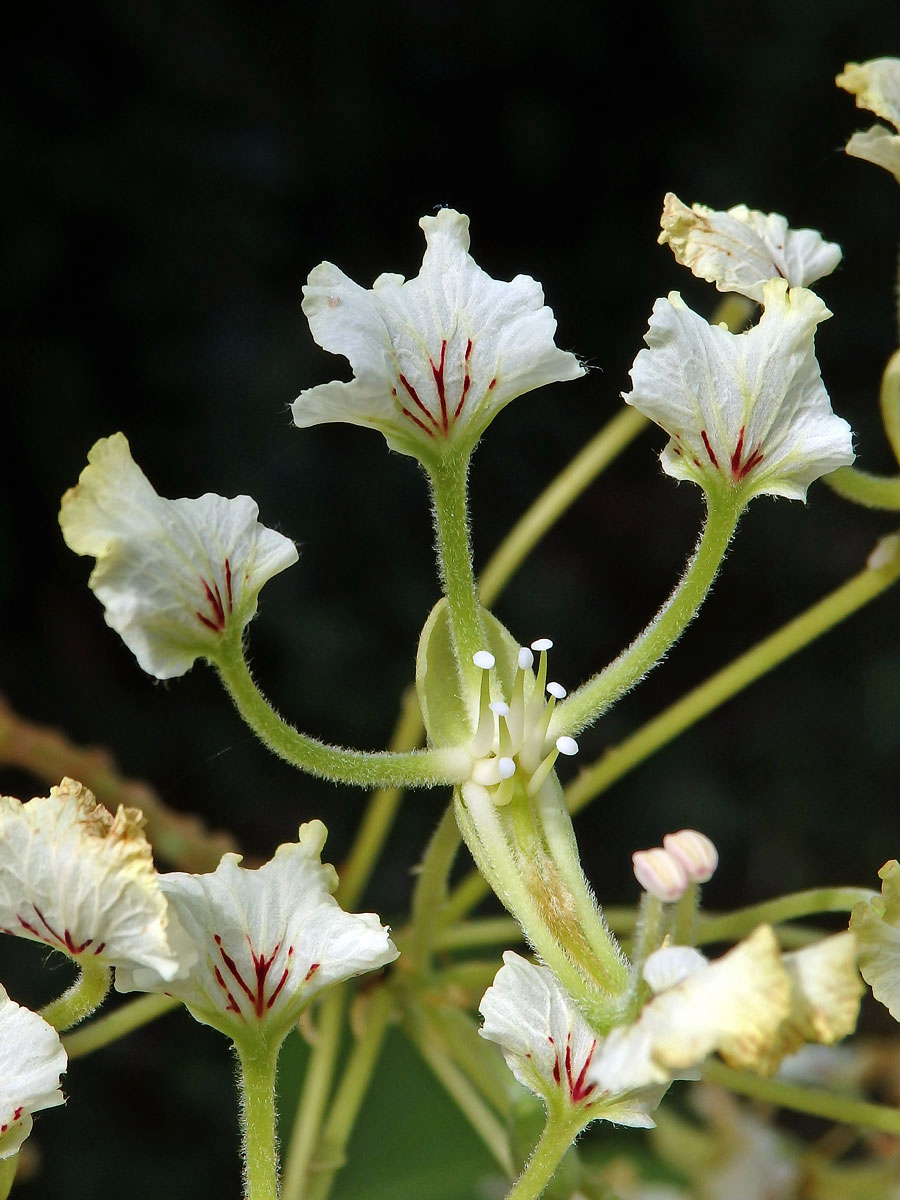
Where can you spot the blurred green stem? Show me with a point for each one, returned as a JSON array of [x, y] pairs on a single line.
[[258, 1063], [108, 1029], [79, 1001]]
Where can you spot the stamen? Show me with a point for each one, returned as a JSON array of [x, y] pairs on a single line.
[[564, 745], [557, 691], [500, 707], [542, 645], [567, 745], [484, 732], [526, 659], [506, 767]]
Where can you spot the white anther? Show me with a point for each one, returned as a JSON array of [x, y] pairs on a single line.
[[695, 852], [506, 767], [500, 707], [526, 659], [660, 873], [556, 690], [483, 659], [542, 644], [566, 745]]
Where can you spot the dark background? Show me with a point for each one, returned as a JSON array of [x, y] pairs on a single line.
[[172, 173]]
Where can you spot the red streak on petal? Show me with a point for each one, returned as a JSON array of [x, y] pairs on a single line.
[[282, 981], [312, 970], [736, 457], [232, 1005], [438, 373], [232, 967], [416, 421], [228, 586], [578, 1091], [413, 394], [709, 449], [492, 384]]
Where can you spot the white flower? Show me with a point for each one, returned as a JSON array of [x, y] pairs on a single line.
[[745, 412], [436, 357], [173, 575], [31, 1061], [82, 881], [876, 925], [261, 943], [876, 86], [734, 1005], [552, 1050], [742, 249]]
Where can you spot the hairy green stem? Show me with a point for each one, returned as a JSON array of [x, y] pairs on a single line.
[[416, 768], [728, 927], [845, 1109], [86, 994], [448, 478], [257, 1066], [430, 893], [862, 487], [559, 1133]]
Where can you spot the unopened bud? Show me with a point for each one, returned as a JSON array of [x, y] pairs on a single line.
[[660, 873], [695, 852]]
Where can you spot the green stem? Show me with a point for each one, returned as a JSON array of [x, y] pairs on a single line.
[[258, 1063], [559, 496], [728, 927], [314, 1098], [862, 487], [8, 1168], [416, 768], [430, 893], [890, 402], [476, 1111], [599, 693], [380, 813], [738, 674], [349, 1096], [448, 478], [845, 1109], [559, 1133], [484, 931], [106, 1030], [79, 1001]]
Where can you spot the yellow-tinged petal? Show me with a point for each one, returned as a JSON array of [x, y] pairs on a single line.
[[81, 880], [876, 924], [742, 249], [172, 575], [876, 86]]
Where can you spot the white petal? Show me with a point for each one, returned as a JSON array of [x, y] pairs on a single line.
[[876, 926], [747, 410], [435, 357], [31, 1061], [876, 86], [172, 575], [82, 881], [266, 940], [550, 1048], [734, 1005], [879, 146], [742, 249]]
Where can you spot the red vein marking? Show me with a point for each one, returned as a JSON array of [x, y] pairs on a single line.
[[415, 420], [467, 381], [232, 1005], [228, 586], [65, 939], [414, 396], [738, 470], [709, 449], [492, 384], [577, 1090], [438, 373], [217, 624], [312, 970]]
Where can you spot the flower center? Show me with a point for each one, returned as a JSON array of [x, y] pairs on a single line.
[[511, 747], [435, 404]]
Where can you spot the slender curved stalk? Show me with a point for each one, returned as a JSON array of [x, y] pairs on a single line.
[[845, 1109], [559, 1134], [79, 1001], [449, 478], [430, 893], [862, 487], [416, 768], [106, 1030], [728, 927]]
